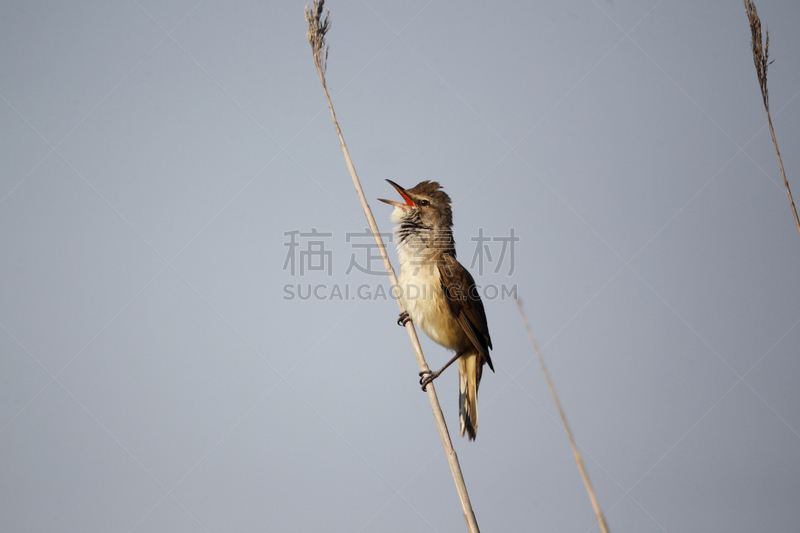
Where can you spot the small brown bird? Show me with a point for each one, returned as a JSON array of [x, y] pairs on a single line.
[[439, 293]]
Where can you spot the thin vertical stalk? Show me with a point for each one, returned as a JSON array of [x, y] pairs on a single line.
[[601, 521], [762, 62], [317, 28]]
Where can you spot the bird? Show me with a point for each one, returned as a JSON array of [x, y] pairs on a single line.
[[439, 294]]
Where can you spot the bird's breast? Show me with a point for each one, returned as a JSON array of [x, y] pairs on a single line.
[[426, 305]]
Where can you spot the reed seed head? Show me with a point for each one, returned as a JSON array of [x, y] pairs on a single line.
[[317, 28], [760, 49]]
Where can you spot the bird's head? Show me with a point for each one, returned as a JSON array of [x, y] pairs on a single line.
[[426, 205]]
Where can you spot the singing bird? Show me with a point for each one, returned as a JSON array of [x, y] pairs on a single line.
[[439, 293]]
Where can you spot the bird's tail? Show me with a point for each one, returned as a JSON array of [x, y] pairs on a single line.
[[470, 368]]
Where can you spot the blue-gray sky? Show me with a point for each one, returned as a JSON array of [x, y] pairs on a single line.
[[161, 373]]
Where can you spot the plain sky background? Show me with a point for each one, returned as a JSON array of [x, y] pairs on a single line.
[[156, 376]]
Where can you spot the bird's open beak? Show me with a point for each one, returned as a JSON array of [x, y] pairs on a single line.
[[409, 201]]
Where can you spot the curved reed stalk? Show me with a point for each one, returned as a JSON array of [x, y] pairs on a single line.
[[317, 29], [761, 60], [601, 521]]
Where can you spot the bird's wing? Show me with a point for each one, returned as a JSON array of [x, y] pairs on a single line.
[[465, 304]]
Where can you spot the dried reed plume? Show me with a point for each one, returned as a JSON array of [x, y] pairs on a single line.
[[761, 60], [317, 28], [601, 521]]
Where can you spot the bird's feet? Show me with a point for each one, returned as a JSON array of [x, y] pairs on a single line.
[[427, 377], [403, 319]]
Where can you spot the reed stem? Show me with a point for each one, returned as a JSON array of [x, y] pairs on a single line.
[[601, 521], [762, 62], [317, 28]]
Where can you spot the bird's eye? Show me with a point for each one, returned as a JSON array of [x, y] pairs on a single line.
[[424, 203]]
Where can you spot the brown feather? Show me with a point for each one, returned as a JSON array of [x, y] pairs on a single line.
[[465, 304]]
